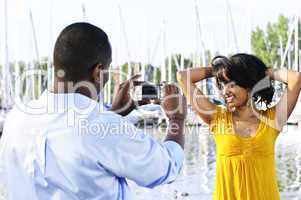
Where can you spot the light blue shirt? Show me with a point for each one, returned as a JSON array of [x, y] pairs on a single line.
[[63, 147]]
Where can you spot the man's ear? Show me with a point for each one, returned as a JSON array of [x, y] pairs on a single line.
[[97, 73]]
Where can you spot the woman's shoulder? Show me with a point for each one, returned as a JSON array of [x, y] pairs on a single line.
[[220, 118], [268, 118], [221, 111], [269, 113]]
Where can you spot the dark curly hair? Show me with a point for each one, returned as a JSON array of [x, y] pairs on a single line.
[[246, 71]]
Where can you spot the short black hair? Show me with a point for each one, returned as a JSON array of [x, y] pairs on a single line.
[[79, 48], [245, 70]]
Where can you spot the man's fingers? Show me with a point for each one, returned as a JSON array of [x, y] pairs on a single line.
[[131, 81], [168, 89], [171, 89], [174, 89], [135, 77], [136, 83]]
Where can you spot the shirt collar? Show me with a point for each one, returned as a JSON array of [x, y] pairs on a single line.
[[60, 102]]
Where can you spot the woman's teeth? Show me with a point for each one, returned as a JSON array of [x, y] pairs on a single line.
[[229, 99]]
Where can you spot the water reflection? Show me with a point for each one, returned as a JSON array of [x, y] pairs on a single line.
[[196, 181]]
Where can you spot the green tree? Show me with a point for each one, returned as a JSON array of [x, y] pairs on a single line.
[[124, 70], [176, 64], [157, 75], [266, 43]]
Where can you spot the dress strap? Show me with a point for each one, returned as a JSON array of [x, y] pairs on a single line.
[[269, 119], [220, 120]]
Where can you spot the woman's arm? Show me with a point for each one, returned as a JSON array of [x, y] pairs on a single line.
[[289, 99], [200, 103]]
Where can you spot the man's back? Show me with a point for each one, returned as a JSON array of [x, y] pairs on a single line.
[[62, 153]]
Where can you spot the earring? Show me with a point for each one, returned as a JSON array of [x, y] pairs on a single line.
[[249, 102]]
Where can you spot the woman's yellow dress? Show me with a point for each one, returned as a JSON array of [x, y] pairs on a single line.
[[245, 167]]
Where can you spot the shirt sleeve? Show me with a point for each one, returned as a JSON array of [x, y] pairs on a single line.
[[127, 152], [2, 162]]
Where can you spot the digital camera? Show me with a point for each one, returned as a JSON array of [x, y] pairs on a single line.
[[147, 91]]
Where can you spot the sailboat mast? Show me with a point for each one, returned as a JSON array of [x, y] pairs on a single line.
[[199, 33], [232, 25], [296, 44], [49, 65], [33, 82], [84, 12], [34, 36], [163, 71], [122, 23], [290, 35], [5, 70], [249, 28]]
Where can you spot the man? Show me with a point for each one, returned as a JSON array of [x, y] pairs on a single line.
[[65, 147]]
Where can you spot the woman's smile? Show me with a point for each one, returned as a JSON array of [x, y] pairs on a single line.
[[229, 99]]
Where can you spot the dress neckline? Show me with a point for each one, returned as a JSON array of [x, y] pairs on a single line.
[[257, 132]]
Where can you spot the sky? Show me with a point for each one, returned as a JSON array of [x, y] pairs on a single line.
[[137, 28]]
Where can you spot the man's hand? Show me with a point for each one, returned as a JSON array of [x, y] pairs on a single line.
[[175, 107], [174, 104], [123, 104]]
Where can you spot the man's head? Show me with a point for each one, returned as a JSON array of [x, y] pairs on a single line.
[[82, 52]]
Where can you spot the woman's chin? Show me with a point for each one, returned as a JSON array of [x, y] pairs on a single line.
[[231, 107]]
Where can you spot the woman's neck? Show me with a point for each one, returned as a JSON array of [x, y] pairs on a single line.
[[245, 111]]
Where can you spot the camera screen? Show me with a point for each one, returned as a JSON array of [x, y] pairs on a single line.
[[150, 91], [146, 91]]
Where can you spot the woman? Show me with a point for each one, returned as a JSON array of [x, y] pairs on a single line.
[[244, 135]]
